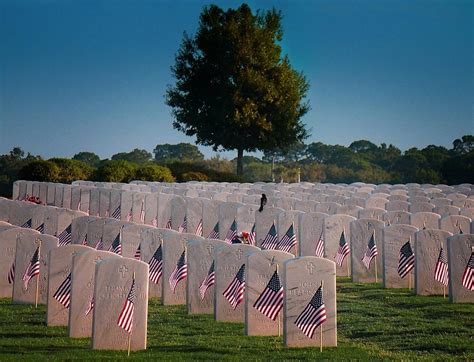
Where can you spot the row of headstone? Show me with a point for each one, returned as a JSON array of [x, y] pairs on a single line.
[[318, 198]]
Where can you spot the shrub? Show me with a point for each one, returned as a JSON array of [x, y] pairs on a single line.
[[115, 171], [194, 176], [154, 173], [40, 170], [71, 170]]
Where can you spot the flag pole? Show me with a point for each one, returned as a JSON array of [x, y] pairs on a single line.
[[347, 264], [375, 260], [444, 286], [279, 314], [321, 328], [296, 245], [376, 274], [130, 334], [39, 274]]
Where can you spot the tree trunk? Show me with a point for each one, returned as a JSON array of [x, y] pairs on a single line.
[[240, 161]]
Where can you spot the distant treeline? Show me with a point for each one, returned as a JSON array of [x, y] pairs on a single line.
[[315, 162]]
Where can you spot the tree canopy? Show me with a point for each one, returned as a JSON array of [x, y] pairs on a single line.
[[135, 156], [185, 152], [89, 158], [234, 90]]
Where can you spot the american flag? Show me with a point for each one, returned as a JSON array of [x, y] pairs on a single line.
[[90, 306], [208, 282], [214, 234], [271, 239], [125, 319], [253, 236], [33, 268], [288, 240], [232, 233], [129, 217], [441, 270], [180, 272], [313, 315], [319, 250], [117, 213], [40, 228], [116, 246], [130, 214], [63, 294], [468, 275], [199, 228], [11, 274], [234, 293], [156, 265], [168, 224], [100, 244], [370, 253], [343, 250], [65, 237], [184, 226], [407, 260], [27, 224], [142, 212], [270, 301], [138, 252], [84, 241]]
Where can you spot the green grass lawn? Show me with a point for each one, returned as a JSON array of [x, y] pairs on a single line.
[[373, 323]]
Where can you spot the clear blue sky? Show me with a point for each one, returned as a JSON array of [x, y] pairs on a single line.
[[80, 75]]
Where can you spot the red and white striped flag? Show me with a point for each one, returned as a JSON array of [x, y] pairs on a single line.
[[180, 272], [11, 274], [183, 228], [313, 315], [199, 228], [343, 250], [441, 269], [232, 233], [63, 294], [319, 250], [90, 306], [156, 265], [406, 261], [84, 241], [33, 268], [138, 252], [208, 282], [370, 253], [270, 301], [40, 228], [468, 275], [116, 246], [234, 293], [142, 212], [271, 239], [65, 237], [252, 236], [117, 214], [129, 217], [214, 234], [100, 244], [288, 241], [125, 319]]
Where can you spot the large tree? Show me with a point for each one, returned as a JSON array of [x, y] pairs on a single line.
[[135, 156], [181, 152], [234, 90]]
